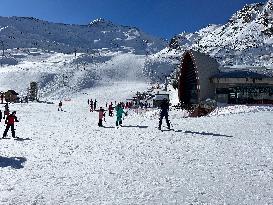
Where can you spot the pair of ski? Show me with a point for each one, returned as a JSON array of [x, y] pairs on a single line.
[[166, 129], [4, 138], [15, 138]]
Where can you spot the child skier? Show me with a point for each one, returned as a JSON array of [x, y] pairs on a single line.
[[101, 116], [119, 112], [10, 124]]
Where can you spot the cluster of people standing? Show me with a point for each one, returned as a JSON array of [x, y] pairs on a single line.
[[119, 108], [92, 104], [10, 119]]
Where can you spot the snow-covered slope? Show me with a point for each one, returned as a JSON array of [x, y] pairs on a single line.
[[61, 75], [66, 59], [64, 158]]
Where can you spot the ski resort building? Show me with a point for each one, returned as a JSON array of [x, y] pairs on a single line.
[[11, 96], [201, 78], [244, 86], [194, 83], [159, 97]]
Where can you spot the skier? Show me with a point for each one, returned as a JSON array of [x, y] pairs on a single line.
[[91, 105], [95, 104], [164, 109], [6, 112], [119, 112], [88, 101], [1, 115], [101, 116], [110, 109], [2, 98], [10, 124], [60, 106]]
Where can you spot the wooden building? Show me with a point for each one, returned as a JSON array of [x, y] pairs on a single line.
[[11, 96]]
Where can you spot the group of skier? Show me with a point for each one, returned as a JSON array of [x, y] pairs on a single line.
[[119, 108], [92, 104], [10, 119], [102, 112]]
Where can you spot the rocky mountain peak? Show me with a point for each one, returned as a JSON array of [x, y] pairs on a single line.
[[101, 22], [247, 38]]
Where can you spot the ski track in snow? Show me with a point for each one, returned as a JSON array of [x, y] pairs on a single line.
[[67, 159]]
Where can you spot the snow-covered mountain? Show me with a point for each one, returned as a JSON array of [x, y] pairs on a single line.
[[66, 59], [247, 38], [25, 32], [40, 51]]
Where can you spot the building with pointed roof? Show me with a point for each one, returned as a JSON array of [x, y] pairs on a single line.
[[194, 83]]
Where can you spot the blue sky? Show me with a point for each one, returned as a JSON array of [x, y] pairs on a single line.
[[163, 18]]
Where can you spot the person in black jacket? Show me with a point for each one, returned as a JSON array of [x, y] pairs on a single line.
[[60, 106], [164, 109]]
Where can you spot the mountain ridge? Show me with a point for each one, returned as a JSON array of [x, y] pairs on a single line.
[[28, 32], [246, 38]]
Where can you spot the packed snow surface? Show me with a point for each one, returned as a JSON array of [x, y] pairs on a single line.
[[65, 158]]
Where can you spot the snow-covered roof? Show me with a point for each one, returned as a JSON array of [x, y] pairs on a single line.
[[12, 92]]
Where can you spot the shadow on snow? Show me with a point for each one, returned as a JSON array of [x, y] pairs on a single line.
[[204, 133], [23, 139], [137, 126], [128, 126], [13, 162]]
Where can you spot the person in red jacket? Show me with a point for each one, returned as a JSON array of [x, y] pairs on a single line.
[[101, 116], [10, 124]]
